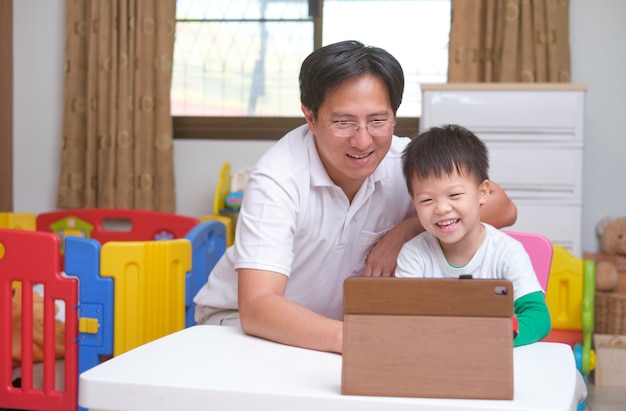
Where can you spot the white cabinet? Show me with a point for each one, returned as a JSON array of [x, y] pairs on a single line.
[[534, 133]]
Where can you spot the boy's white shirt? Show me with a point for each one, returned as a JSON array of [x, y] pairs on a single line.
[[500, 256]]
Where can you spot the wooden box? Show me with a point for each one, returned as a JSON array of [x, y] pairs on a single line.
[[610, 360]]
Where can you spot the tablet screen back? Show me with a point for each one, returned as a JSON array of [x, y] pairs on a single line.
[[439, 338]]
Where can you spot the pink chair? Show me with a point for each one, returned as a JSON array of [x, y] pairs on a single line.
[[540, 250]]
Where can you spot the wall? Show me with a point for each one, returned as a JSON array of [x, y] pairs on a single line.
[[38, 50], [38, 100], [598, 59]]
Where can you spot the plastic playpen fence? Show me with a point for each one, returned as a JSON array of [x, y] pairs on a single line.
[[153, 283]]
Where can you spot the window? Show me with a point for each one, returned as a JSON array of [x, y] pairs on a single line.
[[236, 62]]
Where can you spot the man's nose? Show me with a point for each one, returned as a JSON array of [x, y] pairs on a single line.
[[362, 138]]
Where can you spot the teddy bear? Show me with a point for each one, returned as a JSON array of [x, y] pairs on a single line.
[[612, 235]]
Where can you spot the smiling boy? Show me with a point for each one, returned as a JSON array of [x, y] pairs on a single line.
[[446, 172]]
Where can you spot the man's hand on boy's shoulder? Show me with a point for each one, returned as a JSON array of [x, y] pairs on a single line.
[[382, 259]]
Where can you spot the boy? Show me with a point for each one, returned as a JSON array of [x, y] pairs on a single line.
[[446, 172]]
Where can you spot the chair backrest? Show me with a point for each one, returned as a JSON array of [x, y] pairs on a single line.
[[540, 250]]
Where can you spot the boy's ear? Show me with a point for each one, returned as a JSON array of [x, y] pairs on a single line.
[[483, 192]]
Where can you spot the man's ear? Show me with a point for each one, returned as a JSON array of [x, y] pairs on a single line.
[[308, 115], [483, 192]]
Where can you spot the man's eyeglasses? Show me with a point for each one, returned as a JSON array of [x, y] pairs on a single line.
[[375, 128]]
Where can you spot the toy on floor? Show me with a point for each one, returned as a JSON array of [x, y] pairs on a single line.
[[228, 198], [238, 182], [570, 297]]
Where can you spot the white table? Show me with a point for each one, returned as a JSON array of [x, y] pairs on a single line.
[[221, 368]]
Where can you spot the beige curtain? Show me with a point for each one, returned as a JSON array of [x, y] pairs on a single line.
[[117, 127], [509, 41]]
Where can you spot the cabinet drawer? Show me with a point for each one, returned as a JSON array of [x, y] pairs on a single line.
[[542, 111], [557, 221], [554, 139], [527, 171]]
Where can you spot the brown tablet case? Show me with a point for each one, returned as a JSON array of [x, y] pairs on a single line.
[[439, 338]]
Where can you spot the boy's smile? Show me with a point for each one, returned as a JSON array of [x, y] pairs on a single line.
[[448, 206]]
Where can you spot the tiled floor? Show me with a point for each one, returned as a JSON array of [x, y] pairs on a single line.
[[606, 398]]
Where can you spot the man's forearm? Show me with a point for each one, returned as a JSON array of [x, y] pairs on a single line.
[[275, 318], [499, 210]]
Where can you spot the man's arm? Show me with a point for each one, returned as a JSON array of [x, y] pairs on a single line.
[[266, 313], [499, 210], [382, 259]]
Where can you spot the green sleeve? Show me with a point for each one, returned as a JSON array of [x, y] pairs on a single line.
[[533, 318]]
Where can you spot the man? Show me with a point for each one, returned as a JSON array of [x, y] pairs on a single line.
[[326, 202]]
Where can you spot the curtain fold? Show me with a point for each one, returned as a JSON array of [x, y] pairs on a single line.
[[117, 149], [509, 41]]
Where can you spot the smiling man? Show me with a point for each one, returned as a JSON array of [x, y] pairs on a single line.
[[326, 202]]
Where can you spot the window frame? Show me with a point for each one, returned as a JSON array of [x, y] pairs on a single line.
[[264, 128], [257, 128]]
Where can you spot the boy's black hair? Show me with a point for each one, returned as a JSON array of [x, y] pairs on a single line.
[[442, 150], [327, 67]]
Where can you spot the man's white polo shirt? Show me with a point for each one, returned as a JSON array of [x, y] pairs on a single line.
[[295, 221]]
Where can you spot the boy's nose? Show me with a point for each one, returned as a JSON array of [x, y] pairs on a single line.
[[442, 208]]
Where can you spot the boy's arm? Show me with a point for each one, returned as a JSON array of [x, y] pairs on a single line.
[[533, 318]]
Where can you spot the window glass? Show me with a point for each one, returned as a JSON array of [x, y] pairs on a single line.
[[241, 58], [416, 32]]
